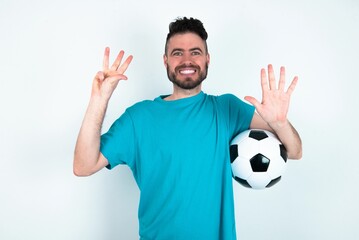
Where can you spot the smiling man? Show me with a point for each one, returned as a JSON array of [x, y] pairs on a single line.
[[177, 145]]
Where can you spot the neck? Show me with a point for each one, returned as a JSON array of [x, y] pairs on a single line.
[[179, 93]]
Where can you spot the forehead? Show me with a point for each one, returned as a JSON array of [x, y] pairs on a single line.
[[185, 41]]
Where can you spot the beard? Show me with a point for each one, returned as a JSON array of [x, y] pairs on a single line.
[[189, 82]]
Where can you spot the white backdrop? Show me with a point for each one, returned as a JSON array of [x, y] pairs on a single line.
[[50, 51]]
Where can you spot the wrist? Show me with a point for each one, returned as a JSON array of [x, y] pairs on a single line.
[[279, 125]]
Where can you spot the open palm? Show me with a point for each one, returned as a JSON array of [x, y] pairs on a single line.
[[275, 100]]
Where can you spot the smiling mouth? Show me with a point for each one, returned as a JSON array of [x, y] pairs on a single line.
[[187, 71]]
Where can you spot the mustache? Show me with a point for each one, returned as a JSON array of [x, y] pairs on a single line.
[[187, 66]]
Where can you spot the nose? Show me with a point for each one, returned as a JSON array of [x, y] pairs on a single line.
[[187, 59]]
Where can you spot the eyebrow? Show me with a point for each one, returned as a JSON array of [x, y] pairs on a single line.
[[191, 50]]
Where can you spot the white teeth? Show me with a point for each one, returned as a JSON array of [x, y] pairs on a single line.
[[187, 71]]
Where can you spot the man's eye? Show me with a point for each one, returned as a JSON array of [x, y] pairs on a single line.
[[177, 54], [196, 53]]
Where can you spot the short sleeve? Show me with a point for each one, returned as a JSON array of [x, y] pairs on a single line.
[[117, 144], [239, 113]]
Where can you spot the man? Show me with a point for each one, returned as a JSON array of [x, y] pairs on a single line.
[[177, 145]]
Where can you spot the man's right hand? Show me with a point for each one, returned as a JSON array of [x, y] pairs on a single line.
[[106, 80]]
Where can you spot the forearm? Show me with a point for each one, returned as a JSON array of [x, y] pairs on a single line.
[[290, 138], [87, 149]]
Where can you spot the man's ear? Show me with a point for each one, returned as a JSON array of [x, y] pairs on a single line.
[[208, 58], [165, 60]]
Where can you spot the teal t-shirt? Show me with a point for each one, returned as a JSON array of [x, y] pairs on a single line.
[[178, 152]]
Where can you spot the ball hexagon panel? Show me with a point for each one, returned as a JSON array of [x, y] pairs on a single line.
[[258, 180], [241, 168], [269, 147], [248, 148]]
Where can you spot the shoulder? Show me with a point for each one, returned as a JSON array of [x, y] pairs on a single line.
[[141, 104], [231, 103], [223, 96], [226, 98], [144, 109]]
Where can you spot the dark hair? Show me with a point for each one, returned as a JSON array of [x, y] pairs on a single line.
[[187, 25]]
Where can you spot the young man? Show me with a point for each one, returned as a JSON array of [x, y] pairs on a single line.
[[177, 145]]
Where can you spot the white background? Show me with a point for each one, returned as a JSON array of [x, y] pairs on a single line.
[[50, 51]]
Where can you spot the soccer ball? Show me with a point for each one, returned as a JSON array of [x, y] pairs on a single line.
[[258, 159]]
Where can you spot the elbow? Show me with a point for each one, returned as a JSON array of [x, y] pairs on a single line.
[[80, 173], [296, 155], [296, 151], [79, 170], [300, 155], [84, 166]]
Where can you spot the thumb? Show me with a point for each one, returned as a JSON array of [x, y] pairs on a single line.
[[116, 78], [253, 101]]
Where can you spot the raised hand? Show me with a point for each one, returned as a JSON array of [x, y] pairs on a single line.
[[275, 100], [106, 80]]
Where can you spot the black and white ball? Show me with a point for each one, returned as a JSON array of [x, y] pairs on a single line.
[[258, 158]]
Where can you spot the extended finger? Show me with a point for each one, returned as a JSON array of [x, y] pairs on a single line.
[[106, 59], [117, 61], [271, 77], [281, 79], [122, 69], [292, 85], [264, 81]]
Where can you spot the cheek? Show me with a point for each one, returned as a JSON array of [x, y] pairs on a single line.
[[171, 65], [203, 65]]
